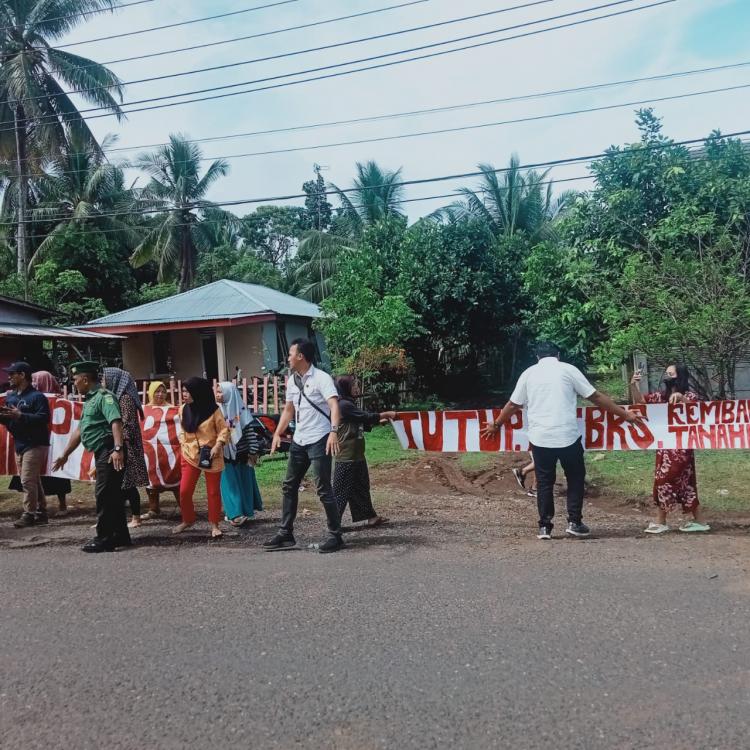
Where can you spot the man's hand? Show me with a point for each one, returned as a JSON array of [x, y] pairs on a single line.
[[275, 443], [332, 446], [12, 412], [216, 451], [490, 429], [60, 462], [635, 417], [387, 416], [117, 461]]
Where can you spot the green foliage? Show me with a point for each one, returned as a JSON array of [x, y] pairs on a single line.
[[273, 232]]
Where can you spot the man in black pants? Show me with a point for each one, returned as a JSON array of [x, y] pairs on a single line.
[[100, 431], [312, 400], [549, 391]]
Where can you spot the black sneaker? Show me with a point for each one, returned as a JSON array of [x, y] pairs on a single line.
[[520, 478], [332, 544], [545, 532], [280, 541], [41, 517], [98, 545], [578, 529], [26, 519]]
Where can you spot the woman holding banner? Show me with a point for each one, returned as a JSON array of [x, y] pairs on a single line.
[[240, 493], [675, 480], [203, 436], [123, 387], [157, 396]]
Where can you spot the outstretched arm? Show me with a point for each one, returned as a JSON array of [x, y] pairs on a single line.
[[605, 402], [509, 410]]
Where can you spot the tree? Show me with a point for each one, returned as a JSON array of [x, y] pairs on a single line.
[[33, 99], [178, 189], [376, 195], [81, 189], [509, 201], [273, 232], [316, 203]]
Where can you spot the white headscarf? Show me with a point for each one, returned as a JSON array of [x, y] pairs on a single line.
[[238, 416]]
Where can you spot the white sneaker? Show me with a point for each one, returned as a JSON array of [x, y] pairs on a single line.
[[656, 528]]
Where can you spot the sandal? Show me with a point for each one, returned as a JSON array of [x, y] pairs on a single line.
[[695, 526], [656, 528], [377, 521], [181, 527], [216, 533]]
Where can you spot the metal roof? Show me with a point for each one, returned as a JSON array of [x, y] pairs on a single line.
[[50, 332], [222, 299]]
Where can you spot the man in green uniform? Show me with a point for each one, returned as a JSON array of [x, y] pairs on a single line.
[[100, 431]]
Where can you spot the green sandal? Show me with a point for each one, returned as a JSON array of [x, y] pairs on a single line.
[[694, 526]]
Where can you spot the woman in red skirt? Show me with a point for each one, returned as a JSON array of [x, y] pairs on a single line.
[[674, 479]]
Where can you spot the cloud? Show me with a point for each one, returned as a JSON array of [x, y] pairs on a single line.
[[669, 38]]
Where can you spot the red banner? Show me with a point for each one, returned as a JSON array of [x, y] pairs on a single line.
[[703, 425], [161, 445]]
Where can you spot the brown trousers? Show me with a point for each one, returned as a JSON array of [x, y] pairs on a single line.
[[32, 463]]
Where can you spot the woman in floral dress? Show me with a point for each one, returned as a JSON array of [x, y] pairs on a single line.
[[675, 480]]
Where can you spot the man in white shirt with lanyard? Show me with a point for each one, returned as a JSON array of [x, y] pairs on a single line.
[[549, 392], [312, 400]]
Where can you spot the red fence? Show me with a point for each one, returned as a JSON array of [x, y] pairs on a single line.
[[263, 395]]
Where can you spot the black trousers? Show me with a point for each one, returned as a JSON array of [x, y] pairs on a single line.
[[545, 462], [111, 521], [301, 458], [133, 496]]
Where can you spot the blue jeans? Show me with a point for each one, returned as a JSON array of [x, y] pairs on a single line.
[[301, 458]]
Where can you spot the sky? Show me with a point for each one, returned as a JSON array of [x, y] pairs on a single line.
[[677, 36]]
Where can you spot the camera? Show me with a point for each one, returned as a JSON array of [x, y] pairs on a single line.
[[205, 457]]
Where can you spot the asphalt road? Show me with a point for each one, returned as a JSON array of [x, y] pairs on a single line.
[[618, 642]]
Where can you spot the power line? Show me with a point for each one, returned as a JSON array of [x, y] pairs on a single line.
[[321, 48], [84, 13], [178, 23], [446, 108], [461, 128], [420, 181], [370, 67], [440, 196], [298, 27]]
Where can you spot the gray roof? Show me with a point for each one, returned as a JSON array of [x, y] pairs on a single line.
[[221, 299], [14, 330]]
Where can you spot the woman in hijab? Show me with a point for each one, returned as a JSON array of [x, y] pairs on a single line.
[[675, 481], [351, 478], [239, 488], [157, 396], [46, 382], [125, 391], [203, 435]]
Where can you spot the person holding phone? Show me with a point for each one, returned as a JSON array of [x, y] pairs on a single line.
[[203, 435], [26, 416], [675, 480]]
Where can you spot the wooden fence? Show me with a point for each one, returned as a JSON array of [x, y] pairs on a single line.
[[263, 395]]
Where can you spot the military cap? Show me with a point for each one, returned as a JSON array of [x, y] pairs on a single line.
[[84, 368]]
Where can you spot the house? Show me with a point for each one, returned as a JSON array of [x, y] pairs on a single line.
[[24, 336], [221, 330]]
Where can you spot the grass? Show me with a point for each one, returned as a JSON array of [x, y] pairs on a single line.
[[723, 476]]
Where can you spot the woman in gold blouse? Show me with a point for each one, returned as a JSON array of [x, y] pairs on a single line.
[[203, 435]]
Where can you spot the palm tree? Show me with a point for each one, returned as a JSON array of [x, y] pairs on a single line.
[[33, 100], [509, 201], [80, 188], [176, 187], [376, 195]]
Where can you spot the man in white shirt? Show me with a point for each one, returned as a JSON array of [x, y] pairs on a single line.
[[312, 400], [549, 392]]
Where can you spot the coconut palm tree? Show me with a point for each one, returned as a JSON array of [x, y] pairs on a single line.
[[81, 188], [509, 201], [376, 195], [177, 188], [35, 108]]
